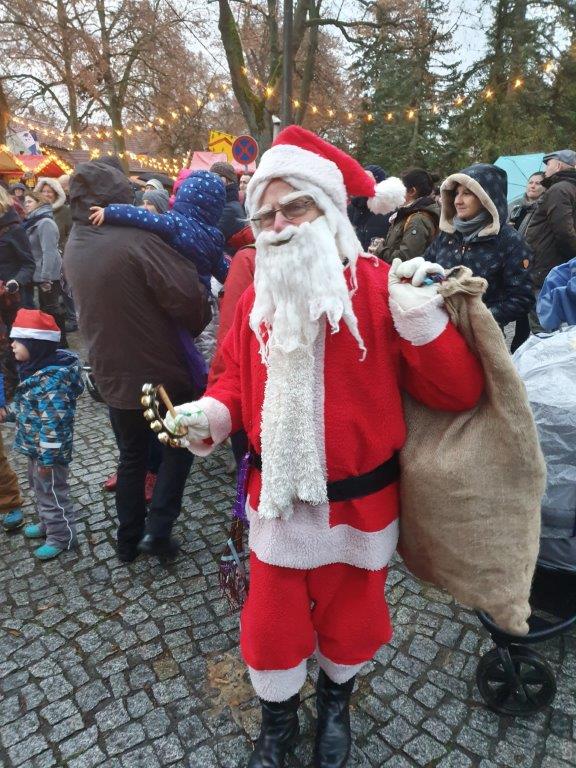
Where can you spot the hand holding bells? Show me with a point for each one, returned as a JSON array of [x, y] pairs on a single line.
[[172, 434]]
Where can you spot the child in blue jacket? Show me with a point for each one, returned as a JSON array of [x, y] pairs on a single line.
[[190, 227], [44, 405]]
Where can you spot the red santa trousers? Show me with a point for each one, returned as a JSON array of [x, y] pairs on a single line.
[[337, 612]]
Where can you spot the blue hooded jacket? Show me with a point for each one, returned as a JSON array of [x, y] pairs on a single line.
[[44, 405], [497, 252], [557, 299], [190, 227]]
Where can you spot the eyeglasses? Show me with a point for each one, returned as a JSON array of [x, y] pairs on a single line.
[[290, 211]]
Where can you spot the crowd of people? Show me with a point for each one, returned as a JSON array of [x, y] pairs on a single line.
[[311, 240]]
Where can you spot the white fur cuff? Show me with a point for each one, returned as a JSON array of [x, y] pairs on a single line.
[[420, 325], [278, 684], [390, 194], [338, 673], [220, 425]]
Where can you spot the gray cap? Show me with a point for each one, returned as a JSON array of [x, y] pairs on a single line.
[[567, 156], [158, 199], [155, 184]]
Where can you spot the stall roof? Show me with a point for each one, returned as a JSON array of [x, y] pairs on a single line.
[[45, 165], [202, 161], [9, 163]]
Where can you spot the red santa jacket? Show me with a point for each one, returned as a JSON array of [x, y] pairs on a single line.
[[363, 420], [240, 276]]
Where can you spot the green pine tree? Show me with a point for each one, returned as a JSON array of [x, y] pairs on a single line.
[[507, 110], [404, 82]]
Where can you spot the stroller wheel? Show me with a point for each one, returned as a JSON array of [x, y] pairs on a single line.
[[515, 681]]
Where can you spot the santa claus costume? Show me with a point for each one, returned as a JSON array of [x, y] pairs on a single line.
[[321, 348]]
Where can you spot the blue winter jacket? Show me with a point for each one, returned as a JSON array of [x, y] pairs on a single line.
[[497, 252], [44, 405], [190, 227], [557, 299]]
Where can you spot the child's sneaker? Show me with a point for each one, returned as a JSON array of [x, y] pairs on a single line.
[[34, 531], [47, 552], [13, 520]]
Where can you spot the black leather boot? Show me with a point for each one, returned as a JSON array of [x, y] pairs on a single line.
[[333, 735], [277, 734], [164, 547]]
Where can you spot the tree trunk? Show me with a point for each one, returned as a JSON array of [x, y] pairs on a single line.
[[252, 106], [4, 113], [69, 82], [113, 108]]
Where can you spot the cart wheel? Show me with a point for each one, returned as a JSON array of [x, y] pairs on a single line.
[[515, 681]]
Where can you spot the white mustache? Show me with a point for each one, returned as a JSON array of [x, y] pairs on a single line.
[[269, 237]]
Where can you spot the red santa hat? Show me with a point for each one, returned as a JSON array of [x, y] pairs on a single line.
[[33, 324], [306, 161]]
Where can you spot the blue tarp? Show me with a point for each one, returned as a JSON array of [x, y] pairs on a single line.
[[519, 168]]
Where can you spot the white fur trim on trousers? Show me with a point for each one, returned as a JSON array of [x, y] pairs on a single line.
[[282, 684]]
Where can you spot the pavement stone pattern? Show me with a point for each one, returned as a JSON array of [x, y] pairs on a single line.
[[103, 664]]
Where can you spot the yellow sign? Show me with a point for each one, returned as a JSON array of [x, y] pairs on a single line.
[[218, 141]]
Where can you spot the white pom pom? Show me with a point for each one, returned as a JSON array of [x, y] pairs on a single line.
[[390, 194]]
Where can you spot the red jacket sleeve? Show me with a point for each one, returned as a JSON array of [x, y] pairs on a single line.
[[227, 389], [240, 277], [443, 374]]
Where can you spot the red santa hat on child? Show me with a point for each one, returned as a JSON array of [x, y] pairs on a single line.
[[329, 175], [33, 324]]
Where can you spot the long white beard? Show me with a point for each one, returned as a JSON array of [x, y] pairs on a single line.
[[299, 278], [299, 284]]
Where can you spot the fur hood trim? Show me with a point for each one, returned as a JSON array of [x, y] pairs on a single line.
[[56, 186], [448, 211]]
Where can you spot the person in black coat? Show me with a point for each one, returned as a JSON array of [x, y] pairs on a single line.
[[368, 225], [233, 217], [474, 233], [16, 259], [17, 267]]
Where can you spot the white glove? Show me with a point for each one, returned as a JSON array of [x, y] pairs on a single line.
[[189, 415], [406, 282]]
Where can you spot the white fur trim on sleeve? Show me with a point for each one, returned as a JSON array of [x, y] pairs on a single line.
[[420, 325], [220, 425], [390, 194]]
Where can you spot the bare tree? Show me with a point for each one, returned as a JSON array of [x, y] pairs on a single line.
[[251, 41], [85, 57]]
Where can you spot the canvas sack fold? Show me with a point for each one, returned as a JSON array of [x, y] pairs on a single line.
[[472, 482]]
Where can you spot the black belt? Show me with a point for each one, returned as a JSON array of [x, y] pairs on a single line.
[[354, 487]]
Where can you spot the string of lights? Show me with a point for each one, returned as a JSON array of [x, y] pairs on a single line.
[[92, 137]]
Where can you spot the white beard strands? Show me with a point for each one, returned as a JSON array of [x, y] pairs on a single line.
[[296, 284]]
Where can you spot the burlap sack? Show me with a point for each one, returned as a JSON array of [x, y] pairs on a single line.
[[472, 482]]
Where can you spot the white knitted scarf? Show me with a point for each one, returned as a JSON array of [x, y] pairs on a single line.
[[300, 286]]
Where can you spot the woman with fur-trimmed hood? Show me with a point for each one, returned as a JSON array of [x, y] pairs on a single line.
[[474, 233], [53, 193]]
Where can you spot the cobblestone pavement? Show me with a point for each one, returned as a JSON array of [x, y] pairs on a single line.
[[124, 666]]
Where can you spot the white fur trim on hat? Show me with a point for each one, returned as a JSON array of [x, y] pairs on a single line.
[[287, 161], [390, 194], [34, 333]]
